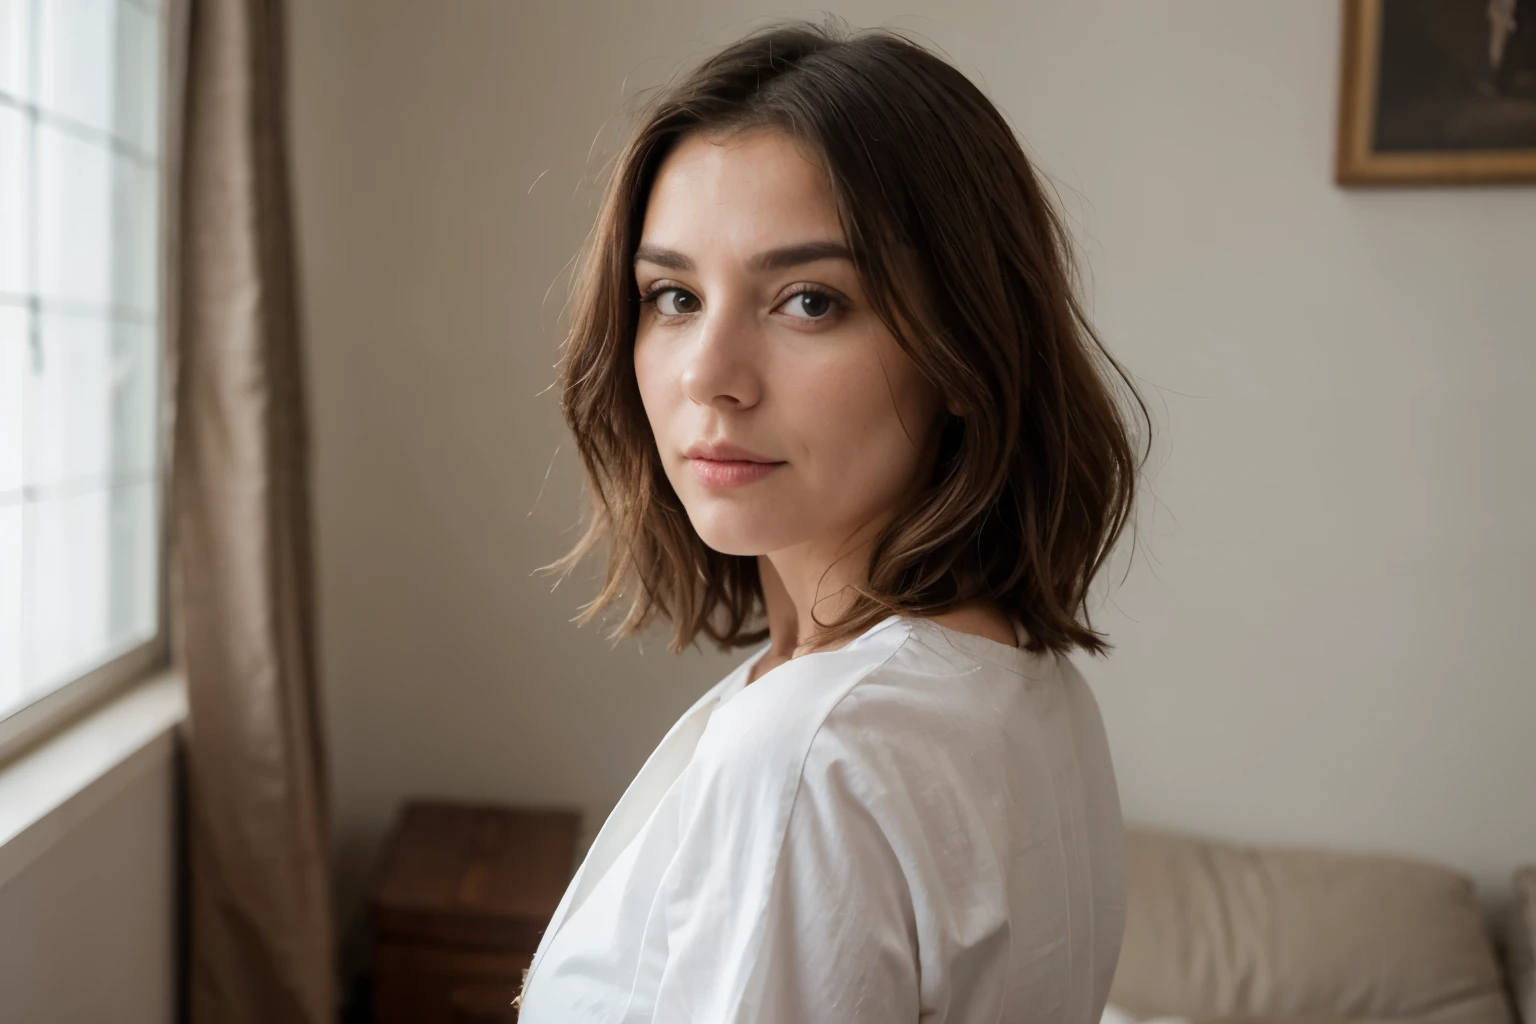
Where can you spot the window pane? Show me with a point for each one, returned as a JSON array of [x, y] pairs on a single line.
[[89, 582], [15, 201], [89, 401], [135, 402], [135, 234], [13, 360], [74, 60], [69, 404], [74, 243], [16, 49], [64, 588], [10, 608], [137, 99], [13, 379], [133, 600]]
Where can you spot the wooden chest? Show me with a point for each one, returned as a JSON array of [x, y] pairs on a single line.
[[461, 898]]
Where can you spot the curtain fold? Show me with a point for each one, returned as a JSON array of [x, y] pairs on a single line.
[[260, 941]]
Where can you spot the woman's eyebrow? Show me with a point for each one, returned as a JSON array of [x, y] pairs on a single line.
[[772, 259]]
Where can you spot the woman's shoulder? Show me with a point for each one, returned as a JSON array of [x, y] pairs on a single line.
[[772, 720], [902, 693], [945, 703], [939, 677]]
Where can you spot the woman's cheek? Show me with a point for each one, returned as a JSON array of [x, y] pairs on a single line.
[[837, 410], [650, 377]]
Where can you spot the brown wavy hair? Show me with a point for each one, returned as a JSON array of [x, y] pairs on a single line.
[[953, 234]]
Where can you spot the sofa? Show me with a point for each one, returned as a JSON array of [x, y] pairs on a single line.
[[1223, 933]]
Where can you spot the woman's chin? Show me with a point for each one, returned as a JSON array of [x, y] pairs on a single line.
[[732, 544], [730, 535]]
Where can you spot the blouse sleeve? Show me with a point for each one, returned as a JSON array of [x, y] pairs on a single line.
[[787, 901]]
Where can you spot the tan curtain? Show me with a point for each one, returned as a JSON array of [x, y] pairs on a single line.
[[243, 626]]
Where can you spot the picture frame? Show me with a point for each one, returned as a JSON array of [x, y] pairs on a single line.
[[1437, 92]]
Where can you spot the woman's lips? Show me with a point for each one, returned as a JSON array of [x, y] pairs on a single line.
[[730, 473]]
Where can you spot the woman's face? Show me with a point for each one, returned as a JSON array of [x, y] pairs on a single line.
[[756, 334]]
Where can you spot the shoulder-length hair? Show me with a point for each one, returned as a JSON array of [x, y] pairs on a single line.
[[967, 263]]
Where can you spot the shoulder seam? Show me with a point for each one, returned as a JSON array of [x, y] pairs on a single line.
[[961, 652], [910, 635], [930, 638]]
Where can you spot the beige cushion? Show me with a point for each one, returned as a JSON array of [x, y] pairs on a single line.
[[1288, 1020], [1521, 943], [1217, 930]]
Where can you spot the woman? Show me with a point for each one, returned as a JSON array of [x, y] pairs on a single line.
[[826, 369]]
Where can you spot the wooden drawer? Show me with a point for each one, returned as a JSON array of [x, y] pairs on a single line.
[[422, 985], [462, 897]]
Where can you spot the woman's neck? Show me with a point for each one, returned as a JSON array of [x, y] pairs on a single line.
[[789, 619]]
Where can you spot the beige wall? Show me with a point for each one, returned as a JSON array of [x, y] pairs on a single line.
[[1325, 634], [88, 929]]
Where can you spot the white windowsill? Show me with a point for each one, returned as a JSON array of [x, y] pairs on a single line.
[[54, 786]]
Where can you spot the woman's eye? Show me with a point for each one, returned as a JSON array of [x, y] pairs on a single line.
[[805, 305], [809, 305], [676, 302]]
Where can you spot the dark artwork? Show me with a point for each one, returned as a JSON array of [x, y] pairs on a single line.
[[1456, 75]]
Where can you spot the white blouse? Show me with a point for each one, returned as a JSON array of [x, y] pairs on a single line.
[[921, 825]]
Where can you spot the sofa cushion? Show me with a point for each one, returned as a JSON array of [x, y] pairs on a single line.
[[1521, 943], [1219, 930], [1290, 1020]]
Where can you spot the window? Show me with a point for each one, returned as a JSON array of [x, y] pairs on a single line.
[[80, 352]]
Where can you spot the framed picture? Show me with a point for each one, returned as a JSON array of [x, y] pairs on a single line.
[[1437, 92]]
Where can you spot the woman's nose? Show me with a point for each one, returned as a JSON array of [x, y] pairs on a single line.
[[720, 362]]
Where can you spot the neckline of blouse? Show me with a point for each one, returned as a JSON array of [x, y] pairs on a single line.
[[1013, 658], [738, 679], [986, 649]]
